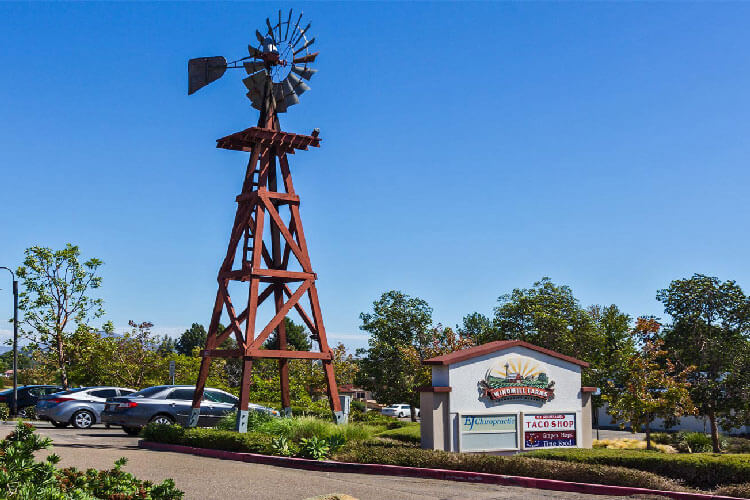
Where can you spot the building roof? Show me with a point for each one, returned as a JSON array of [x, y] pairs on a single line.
[[499, 345], [349, 388]]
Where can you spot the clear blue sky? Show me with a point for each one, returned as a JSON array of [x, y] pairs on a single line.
[[468, 149]]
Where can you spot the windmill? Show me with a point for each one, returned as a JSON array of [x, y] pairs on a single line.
[[267, 247]]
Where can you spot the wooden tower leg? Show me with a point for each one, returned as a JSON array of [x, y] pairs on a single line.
[[200, 384], [286, 403], [247, 368], [278, 291], [333, 390]]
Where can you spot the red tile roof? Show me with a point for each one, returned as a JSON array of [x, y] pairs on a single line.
[[499, 345]]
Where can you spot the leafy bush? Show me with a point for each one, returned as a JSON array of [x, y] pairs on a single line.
[[251, 442], [336, 442], [703, 470], [394, 454], [738, 445], [358, 405], [408, 434], [23, 478], [317, 449], [28, 413], [115, 483], [735, 490], [4, 411], [164, 433], [663, 438], [696, 442], [283, 447]]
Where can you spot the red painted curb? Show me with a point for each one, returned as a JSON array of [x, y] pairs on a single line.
[[450, 475]]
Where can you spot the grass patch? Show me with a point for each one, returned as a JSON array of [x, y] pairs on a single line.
[[735, 490], [631, 444], [409, 434], [701, 470], [309, 427]]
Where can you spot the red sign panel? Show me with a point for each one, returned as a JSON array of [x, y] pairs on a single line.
[[549, 439]]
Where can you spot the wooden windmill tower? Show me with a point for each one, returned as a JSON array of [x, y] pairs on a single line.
[[267, 248]]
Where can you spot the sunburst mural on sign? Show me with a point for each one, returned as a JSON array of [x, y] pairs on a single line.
[[517, 377]]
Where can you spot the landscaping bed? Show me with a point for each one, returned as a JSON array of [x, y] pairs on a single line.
[[700, 470], [380, 440]]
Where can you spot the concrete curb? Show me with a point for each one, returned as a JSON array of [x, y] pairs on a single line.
[[450, 475]]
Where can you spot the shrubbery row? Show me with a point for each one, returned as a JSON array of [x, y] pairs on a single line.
[[394, 454], [698, 470]]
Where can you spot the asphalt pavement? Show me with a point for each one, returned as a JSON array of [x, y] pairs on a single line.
[[210, 478]]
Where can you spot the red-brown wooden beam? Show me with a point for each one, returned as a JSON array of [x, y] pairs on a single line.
[[268, 353], [264, 353]]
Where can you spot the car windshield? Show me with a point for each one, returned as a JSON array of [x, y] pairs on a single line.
[[147, 392]]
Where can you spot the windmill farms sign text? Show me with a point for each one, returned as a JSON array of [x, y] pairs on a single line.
[[519, 378]]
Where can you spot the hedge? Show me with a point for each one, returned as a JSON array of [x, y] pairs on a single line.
[[701, 470], [394, 454], [251, 442]]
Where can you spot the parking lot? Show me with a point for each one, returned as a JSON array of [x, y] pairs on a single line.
[[209, 478]]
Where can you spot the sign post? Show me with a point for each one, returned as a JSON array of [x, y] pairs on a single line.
[[171, 371]]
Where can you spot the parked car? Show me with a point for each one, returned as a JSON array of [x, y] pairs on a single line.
[[28, 395], [398, 410], [81, 407], [169, 404]]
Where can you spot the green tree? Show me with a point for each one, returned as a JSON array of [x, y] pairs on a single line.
[[396, 323], [193, 337], [167, 345], [653, 387], [619, 345], [548, 315], [710, 330], [297, 337], [55, 299], [479, 328]]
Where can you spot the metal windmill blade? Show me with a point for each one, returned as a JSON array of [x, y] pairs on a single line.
[[304, 71], [254, 67], [299, 86]]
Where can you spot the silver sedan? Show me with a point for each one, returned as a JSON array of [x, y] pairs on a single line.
[[81, 407]]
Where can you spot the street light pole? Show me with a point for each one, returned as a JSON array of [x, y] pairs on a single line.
[[14, 406]]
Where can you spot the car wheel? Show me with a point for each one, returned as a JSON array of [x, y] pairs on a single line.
[[162, 419], [59, 425], [131, 431], [83, 419], [400, 414]]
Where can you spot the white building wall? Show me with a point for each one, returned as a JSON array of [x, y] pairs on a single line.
[[689, 424], [464, 379]]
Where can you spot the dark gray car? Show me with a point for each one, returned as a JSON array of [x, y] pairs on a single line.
[[169, 404]]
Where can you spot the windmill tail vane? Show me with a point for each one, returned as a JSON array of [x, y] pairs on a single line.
[[267, 251]]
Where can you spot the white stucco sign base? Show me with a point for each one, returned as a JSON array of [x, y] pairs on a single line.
[[505, 397]]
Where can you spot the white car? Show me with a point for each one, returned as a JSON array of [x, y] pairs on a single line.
[[398, 410]]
